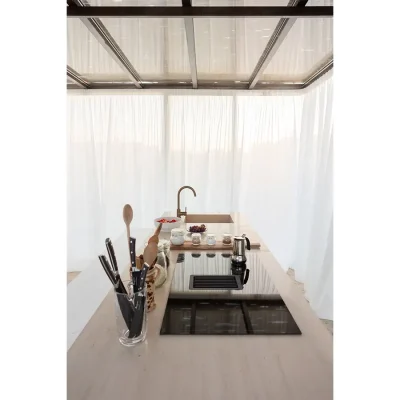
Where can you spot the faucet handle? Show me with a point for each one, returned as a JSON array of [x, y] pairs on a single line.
[[186, 210]]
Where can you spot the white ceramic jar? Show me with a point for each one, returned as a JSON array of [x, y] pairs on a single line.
[[227, 239], [196, 239], [177, 236], [211, 240]]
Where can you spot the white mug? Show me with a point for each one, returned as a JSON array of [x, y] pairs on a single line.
[[211, 241]]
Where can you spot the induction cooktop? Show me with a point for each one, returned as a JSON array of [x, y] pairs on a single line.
[[211, 296]]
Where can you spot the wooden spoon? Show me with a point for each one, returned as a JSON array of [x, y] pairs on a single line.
[[128, 217], [150, 253]]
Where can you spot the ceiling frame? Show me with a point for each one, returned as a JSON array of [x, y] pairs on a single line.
[[89, 15], [278, 36], [101, 34], [322, 70], [191, 44], [200, 12], [78, 80]]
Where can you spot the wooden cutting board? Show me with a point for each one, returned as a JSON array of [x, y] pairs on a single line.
[[204, 246]]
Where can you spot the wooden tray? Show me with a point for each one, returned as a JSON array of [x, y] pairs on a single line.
[[204, 246]]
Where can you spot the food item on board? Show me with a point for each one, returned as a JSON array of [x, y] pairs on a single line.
[[197, 229]]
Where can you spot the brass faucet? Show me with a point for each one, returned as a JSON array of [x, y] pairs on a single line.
[[179, 213]]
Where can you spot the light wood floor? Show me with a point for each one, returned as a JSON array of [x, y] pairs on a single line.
[[327, 322], [72, 275]]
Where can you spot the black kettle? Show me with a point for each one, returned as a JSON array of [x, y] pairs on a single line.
[[240, 269]]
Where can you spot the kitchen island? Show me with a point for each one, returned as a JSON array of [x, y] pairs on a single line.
[[270, 367]]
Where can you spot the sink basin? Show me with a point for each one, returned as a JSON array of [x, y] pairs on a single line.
[[209, 219]]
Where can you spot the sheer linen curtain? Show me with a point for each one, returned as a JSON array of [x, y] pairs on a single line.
[[268, 131], [265, 154], [313, 255], [199, 151], [115, 156]]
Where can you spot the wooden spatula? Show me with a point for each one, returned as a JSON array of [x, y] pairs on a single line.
[[150, 252], [127, 213]]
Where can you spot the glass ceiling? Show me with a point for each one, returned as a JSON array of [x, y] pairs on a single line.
[[227, 51]]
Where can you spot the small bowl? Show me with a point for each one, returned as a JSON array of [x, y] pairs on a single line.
[[205, 230], [168, 226]]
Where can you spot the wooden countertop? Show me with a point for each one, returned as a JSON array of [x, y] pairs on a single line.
[[204, 367], [237, 228]]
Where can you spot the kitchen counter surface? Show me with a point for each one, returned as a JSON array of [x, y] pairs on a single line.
[[298, 367]]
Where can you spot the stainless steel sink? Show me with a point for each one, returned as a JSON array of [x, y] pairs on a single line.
[[209, 219]]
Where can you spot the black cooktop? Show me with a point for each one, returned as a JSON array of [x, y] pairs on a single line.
[[210, 296]]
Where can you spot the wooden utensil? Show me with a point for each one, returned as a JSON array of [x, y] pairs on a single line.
[[151, 250], [154, 238], [127, 213]]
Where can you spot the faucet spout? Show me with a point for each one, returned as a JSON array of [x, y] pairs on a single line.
[[179, 213]]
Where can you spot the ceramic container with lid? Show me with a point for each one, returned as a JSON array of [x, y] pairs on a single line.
[[211, 240], [196, 239], [177, 236], [227, 239]]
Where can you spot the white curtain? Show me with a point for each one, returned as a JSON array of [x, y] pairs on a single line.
[[199, 151], [115, 156], [268, 155], [313, 254]]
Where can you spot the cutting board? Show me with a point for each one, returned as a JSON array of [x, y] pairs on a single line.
[[204, 246]]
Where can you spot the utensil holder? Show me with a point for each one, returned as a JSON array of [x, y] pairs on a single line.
[[131, 316]]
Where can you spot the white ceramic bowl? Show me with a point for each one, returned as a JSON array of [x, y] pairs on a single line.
[[168, 226]]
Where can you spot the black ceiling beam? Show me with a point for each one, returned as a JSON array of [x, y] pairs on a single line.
[[77, 79], [100, 32], [200, 12], [191, 44], [201, 85], [282, 29]]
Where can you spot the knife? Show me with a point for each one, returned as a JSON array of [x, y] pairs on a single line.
[[132, 252], [108, 271], [114, 264], [142, 277], [111, 253]]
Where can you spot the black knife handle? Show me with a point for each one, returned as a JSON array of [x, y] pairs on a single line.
[[143, 274], [108, 270], [132, 252], [246, 276], [119, 284], [136, 280], [111, 253]]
